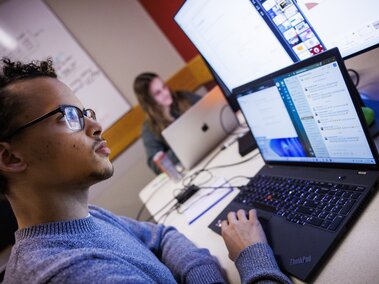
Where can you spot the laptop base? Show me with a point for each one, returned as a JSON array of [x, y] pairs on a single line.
[[301, 249]]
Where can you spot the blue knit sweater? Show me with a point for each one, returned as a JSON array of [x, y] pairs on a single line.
[[105, 248]]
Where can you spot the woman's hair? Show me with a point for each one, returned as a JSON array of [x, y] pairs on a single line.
[[154, 112], [9, 104]]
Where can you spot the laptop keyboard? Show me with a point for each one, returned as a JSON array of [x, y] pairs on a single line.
[[320, 204]]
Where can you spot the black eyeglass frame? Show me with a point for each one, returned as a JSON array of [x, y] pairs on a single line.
[[60, 109]]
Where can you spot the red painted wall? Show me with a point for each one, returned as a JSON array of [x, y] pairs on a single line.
[[162, 12]]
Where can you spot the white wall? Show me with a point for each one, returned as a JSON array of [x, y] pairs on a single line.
[[121, 37], [124, 41]]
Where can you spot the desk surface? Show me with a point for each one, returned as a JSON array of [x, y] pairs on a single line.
[[355, 260]]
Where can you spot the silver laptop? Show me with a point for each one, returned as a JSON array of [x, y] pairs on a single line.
[[200, 129]]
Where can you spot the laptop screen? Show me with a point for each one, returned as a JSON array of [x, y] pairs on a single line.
[[305, 113]]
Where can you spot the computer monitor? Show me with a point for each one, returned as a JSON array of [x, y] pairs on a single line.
[[242, 40]]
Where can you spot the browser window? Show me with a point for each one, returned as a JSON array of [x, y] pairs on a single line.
[[306, 115]]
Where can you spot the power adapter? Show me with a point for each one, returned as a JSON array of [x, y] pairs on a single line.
[[187, 193]]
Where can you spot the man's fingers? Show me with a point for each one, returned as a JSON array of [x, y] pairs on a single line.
[[232, 218], [224, 224], [253, 215], [241, 214]]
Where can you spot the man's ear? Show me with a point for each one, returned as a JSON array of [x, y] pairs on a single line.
[[10, 161]]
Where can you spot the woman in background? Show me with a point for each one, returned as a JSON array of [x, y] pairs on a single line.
[[161, 106]]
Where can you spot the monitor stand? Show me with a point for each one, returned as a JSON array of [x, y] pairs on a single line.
[[246, 144]]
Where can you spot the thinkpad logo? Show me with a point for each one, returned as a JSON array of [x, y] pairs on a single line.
[[300, 260]]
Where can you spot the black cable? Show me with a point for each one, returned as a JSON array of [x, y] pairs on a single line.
[[204, 168], [178, 205], [228, 132], [234, 164], [165, 215], [212, 158], [181, 197], [186, 188], [356, 75], [141, 210], [246, 177], [193, 177], [241, 125], [195, 174], [160, 210], [187, 193], [228, 144], [144, 204], [199, 198], [227, 181], [221, 122], [223, 185]]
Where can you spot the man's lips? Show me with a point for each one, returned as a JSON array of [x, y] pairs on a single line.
[[102, 148]]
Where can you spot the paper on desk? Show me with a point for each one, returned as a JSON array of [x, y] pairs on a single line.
[[204, 200]]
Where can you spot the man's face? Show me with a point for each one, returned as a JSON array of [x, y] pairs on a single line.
[[54, 154]]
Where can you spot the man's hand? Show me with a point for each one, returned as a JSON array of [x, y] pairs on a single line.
[[240, 231]]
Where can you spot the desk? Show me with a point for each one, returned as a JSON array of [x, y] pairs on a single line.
[[355, 260]]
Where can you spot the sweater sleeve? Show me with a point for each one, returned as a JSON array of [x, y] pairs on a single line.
[[187, 263], [257, 264], [192, 97], [152, 146]]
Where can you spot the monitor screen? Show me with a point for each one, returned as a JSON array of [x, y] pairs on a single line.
[[242, 40], [305, 113]]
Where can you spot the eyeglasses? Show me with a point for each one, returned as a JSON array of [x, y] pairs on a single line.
[[73, 116]]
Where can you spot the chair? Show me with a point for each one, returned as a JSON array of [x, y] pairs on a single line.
[[8, 225], [2, 273]]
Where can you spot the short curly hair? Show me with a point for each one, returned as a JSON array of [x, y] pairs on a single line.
[[11, 72]]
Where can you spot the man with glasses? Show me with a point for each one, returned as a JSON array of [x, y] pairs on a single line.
[[51, 152]]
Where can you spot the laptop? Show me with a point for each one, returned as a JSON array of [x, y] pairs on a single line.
[[321, 165], [201, 128]]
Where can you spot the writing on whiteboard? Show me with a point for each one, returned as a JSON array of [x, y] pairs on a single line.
[[34, 33]]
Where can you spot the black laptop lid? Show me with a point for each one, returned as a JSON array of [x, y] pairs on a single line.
[[309, 114]]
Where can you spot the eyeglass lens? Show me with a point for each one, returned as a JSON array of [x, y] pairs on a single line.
[[90, 114], [74, 118]]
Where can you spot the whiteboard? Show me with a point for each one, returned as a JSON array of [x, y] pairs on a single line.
[[30, 31]]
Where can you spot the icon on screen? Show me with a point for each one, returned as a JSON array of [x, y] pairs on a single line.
[[316, 49]]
